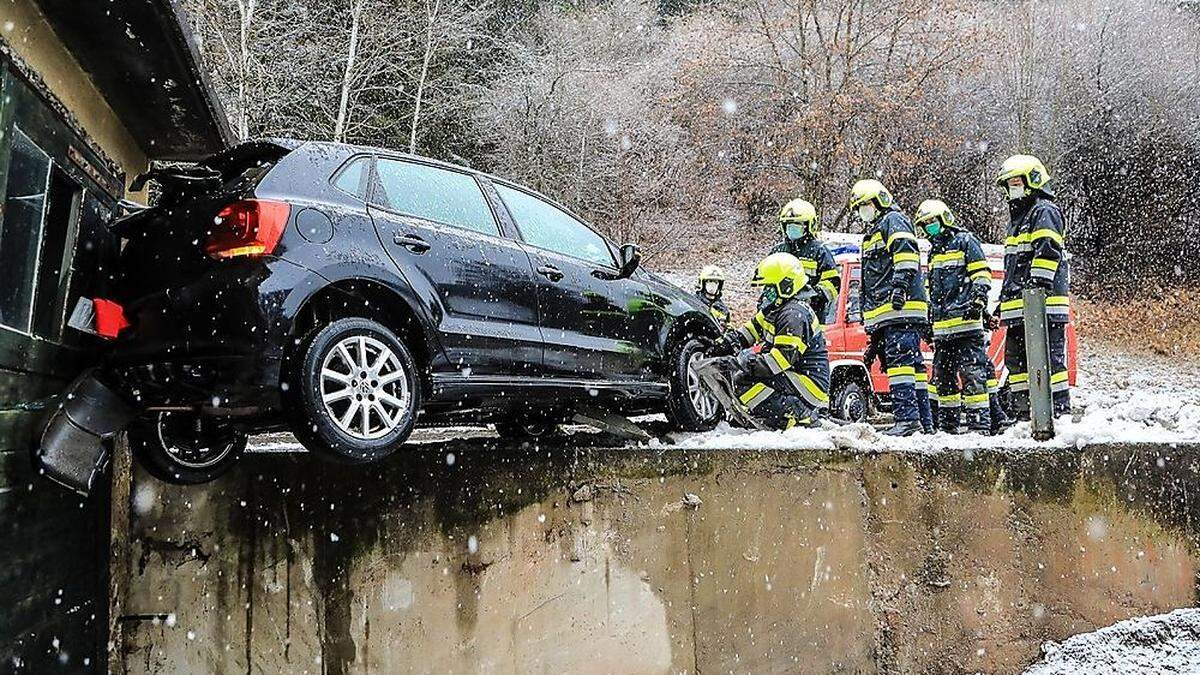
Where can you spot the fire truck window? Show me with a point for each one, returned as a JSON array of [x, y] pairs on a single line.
[[21, 229], [853, 308]]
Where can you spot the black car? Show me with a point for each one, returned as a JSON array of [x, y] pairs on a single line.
[[349, 293]]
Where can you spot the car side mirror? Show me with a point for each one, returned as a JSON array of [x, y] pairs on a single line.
[[630, 258]]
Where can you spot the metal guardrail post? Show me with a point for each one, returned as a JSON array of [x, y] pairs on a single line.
[[1037, 355]]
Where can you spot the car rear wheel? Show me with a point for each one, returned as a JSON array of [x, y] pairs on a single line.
[[358, 392], [185, 448], [526, 430], [690, 406], [850, 402]]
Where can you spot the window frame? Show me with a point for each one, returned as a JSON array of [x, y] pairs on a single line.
[[375, 192], [521, 235]]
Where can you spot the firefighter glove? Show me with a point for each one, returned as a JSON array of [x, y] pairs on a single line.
[[899, 297], [725, 345]]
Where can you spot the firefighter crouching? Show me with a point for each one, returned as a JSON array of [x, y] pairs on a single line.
[[709, 288], [959, 280], [782, 364], [1033, 257], [799, 227], [895, 304]]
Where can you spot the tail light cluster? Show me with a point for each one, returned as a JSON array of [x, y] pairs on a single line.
[[247, 228]]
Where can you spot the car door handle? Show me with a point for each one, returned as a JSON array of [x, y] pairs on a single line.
[[411, 242], [550, 272]]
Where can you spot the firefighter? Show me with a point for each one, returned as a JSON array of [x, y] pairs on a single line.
[[799, 228], [959, 280], [1033, 258], [894, 303], [782, 363], [709, 288]]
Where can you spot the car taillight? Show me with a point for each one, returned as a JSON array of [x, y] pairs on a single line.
[[110, 318], [247, 228]]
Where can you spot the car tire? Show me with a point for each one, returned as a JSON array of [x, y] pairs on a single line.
[[328, 392], [686, 410], [185, 448], [850, 402]]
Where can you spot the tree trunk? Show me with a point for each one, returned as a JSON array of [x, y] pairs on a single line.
[[339, 127], [416, 118]]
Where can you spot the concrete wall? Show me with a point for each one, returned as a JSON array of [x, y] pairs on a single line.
[[592, 561]]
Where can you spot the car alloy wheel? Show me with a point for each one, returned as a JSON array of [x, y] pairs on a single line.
[[186, 442], [364, 388]]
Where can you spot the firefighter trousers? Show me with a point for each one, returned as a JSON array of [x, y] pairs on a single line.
[[961, 370], [776, 402], [905, 367], [1018, 371]]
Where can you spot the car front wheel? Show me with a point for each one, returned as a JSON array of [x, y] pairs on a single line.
[[358, 392], [690, 406], [185, 448], [850, 402]]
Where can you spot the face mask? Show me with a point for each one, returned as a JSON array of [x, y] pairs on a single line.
[[769, 296], [793, 231], [933, 228], [1016, 192], [867, 213]]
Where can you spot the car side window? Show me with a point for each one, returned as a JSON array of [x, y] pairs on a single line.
[[436, 194], [547, 226], [351, 178]]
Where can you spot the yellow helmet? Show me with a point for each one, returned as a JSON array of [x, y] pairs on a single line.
[[870, 190], [798, 212], [1027, 167], [712, 273], [934, 209], [781, 271]]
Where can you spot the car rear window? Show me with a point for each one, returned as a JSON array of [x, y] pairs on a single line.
[[434, 194]]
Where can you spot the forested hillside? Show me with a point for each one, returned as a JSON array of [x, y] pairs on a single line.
[[684, 124]]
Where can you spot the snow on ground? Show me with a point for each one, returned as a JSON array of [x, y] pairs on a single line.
[[1166, 643], [1121, 398]]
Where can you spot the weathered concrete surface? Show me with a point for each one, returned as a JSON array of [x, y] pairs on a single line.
[[591, 560]]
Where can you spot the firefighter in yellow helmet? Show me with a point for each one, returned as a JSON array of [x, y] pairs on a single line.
[[782, 363], [799, 228], [1033, 257], [710, 287], [895, 306]]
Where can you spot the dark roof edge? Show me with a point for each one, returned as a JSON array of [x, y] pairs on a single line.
[[184, 36]]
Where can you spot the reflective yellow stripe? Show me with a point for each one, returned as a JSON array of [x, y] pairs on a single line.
[[1016, 240], [780, 360], [828, 288], [985, 275], [808, 264], [1017, 378], [805, 383], [751, 331], [1059, 377], [922, 377], [762, 321], [949, 256], [1058, 301], [899, 371], [911, 305], [873, 241], [979, 265], [946, 324], [1015, 303], [829, 274], [899, 235], [755, 395], [975, 399], [1046, 234], [1046, 264], [906, 257], [950, 400], [791, 341]]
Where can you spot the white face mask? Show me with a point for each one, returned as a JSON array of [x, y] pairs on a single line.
[[867, 213], [1016, 192]]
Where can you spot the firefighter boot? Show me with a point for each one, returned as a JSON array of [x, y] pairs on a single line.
[[1000, 421], [900, 428], [949, 419], [979, 421]]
